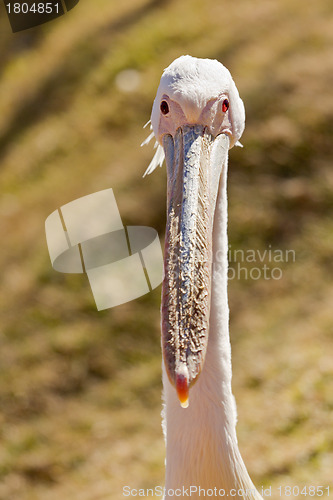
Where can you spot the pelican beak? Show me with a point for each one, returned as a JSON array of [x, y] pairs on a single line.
[[195, 160]]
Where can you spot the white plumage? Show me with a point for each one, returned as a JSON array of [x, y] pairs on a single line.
[[196, 117]]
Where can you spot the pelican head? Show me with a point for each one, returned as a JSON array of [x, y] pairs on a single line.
[[197, 117]]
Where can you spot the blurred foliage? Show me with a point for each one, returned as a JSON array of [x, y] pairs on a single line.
[[80, 391]]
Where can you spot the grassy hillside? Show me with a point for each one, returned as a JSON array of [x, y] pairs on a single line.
[[80, 389]]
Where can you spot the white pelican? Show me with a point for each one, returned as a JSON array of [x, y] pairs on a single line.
[[197, 117]]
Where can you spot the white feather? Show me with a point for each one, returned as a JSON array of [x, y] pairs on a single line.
[[157, 160]]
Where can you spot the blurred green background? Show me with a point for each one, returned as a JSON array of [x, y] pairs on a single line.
[[80, 390]]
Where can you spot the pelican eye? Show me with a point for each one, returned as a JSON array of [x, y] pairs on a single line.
[[225, 105], [164, 108]]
